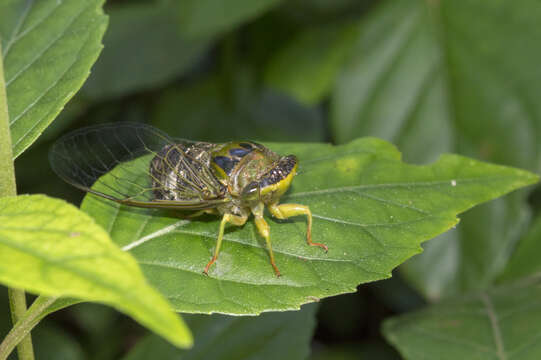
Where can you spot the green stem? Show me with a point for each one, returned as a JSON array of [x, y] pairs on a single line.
[[17, 304], [7, 171], [8, 187], [22, 328]]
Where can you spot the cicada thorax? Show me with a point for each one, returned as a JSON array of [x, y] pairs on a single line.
[[253, 173], [237, 164]]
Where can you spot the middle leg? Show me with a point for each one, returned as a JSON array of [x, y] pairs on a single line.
[[228, 218]]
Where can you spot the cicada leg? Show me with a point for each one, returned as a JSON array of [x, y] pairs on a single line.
[[264, 230], [228, 218], [284, 211]]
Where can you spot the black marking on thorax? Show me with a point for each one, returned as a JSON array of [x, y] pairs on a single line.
[[228, 163]]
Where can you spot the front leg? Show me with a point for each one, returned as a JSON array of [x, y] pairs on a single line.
[[284, 211], [228, 218], [264, 231]]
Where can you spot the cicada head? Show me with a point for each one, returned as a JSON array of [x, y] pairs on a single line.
[[274, 183]]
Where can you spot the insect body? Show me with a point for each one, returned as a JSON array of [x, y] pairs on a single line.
[[232, 180]]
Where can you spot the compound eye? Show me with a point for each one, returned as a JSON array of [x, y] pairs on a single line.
[[251, 191]]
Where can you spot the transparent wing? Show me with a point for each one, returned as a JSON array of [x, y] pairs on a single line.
[[138, 165]]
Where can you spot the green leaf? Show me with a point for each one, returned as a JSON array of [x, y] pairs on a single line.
[[207, 18], [269, 336], [450, 76], [48, 48], [50, 247], [143, 50], [525, 259], [261, 115], [502, 323], [305, 68], [371, 209]]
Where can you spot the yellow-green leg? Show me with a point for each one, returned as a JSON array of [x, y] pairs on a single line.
[[228, 218], [264, 231], [284, 211]]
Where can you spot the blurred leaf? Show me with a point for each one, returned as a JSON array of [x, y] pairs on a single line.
[[52, 342], [525, 259], [395, 294], [208, 18], [143, 50], [50, 247], [301, 8], [201, 111], [269, 336], [453, 76], [385, 77], [502, 323], [371, 209], [474, 254], [305, 68], [104, 331], [94, 318], [48, 48], [366, 350]]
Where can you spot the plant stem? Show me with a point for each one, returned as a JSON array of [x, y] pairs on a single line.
[[7, 171], [8, 187], [17, 304], [22, 328]]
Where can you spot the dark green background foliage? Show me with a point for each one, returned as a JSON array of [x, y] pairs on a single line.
[[429, 76]]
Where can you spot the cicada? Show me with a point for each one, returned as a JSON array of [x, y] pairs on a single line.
[[138, 165]]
